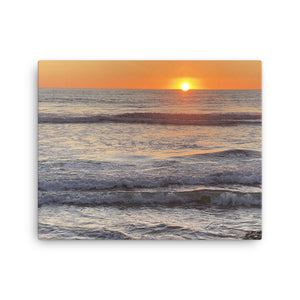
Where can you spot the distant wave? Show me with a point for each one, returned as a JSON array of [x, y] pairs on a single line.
[[195, 198], [231, 153], [213, 119]]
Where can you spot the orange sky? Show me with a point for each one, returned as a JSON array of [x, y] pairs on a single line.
[[150, 74]]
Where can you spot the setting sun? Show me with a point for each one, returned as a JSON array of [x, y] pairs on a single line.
[[185, 86]]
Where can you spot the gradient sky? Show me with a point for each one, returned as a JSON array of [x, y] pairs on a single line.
[[150, 74]]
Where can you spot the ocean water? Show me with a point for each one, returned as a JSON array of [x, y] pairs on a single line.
[[149, 164]]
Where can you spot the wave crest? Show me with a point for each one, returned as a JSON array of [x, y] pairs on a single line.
[[80, 184], [189, 199], [213, 119]]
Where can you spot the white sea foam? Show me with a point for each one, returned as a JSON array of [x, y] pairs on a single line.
[[193, 198]]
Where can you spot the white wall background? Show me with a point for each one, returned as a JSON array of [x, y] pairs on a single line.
[[33, 30]]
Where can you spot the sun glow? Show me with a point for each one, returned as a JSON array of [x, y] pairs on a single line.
[[185, 86]]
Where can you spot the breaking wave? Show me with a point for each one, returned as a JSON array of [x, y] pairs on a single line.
[[80, 184], [187, 199]]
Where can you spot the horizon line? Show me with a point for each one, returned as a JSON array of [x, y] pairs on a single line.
[[90, 88]]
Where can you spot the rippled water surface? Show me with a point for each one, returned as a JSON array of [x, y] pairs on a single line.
[[149, 164]]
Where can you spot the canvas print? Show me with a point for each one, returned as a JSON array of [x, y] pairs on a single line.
[[149, 150]]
